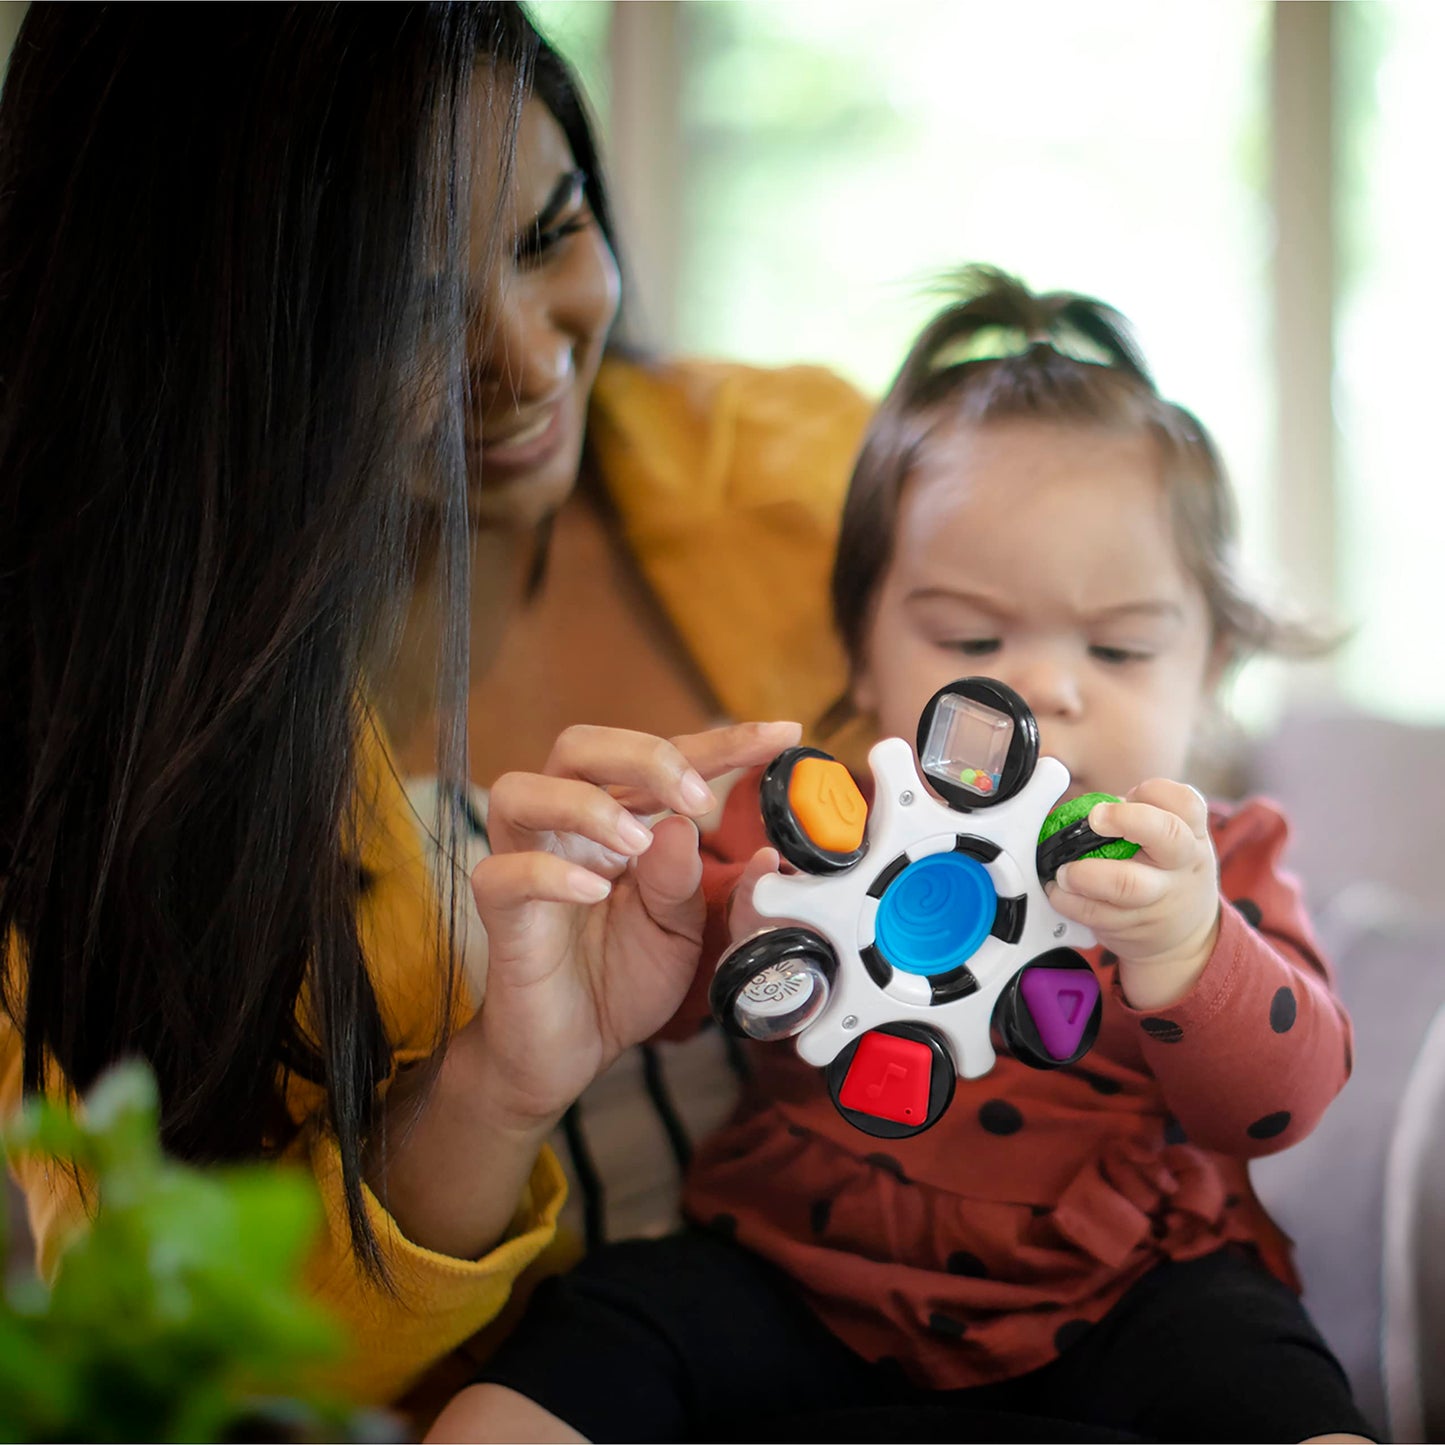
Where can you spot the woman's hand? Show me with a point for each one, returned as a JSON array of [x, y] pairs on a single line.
[[1159, 910], [594, 923], [594, 917]]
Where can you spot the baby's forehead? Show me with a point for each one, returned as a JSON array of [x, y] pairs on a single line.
[[1084, 514], [1038, 477], [1019, 449]]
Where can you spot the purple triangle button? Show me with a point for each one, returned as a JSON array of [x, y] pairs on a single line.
[[1060, 1001]]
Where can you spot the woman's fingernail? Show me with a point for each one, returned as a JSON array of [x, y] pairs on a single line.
[[635, 838], [588, 887], [1062, 878], [696, 793]]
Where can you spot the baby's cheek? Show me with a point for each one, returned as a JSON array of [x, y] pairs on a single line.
[[1155, 746]]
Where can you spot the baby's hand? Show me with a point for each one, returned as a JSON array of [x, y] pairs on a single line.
[[1159, 910], [743, 919]]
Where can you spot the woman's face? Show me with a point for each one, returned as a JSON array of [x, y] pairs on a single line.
[[542, 321]]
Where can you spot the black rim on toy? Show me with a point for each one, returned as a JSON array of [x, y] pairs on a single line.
[[773, 950], [783, 829], [1023, 748], [1015, 1023]]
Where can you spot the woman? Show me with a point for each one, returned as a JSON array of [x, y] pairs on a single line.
[[670, 527], [237, 260], [684, 512]]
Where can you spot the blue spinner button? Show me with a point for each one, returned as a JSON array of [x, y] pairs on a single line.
[[935, 914]]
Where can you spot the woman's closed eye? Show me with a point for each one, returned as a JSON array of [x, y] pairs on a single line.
[[565, 214]]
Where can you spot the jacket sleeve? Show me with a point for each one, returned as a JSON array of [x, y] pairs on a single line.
[[1251, 1057], [54, 1206], [435, 1302]]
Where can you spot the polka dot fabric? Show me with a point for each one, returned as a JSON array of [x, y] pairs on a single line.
[[982, 1248]]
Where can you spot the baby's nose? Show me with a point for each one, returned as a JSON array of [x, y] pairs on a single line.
[[1050, 687]]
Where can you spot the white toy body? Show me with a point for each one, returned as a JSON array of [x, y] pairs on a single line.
[[906, 819]]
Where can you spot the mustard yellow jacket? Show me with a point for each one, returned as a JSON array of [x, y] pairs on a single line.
[[727, 482]]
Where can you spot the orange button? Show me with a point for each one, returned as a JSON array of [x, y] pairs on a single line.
[[889, 1079], [827, 804]]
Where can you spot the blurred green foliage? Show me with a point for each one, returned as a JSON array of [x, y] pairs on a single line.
[[579, 31], [177, 1314]]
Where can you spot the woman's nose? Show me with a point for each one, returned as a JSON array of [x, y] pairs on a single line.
[[523, 353]]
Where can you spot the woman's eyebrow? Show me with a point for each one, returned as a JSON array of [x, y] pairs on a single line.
[[558, 199]]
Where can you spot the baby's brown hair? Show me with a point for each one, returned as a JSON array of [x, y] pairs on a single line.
[[1001, 353]]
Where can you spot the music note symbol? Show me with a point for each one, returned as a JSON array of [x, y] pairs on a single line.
[[890, 1071], [838, 792], [827, 805]]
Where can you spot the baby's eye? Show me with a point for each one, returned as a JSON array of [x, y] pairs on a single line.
[[973, 646], [1118, 655]]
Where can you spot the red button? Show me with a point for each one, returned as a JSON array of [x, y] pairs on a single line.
[[889, 1079]]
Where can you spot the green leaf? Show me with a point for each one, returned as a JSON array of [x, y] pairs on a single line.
[[36, 1383], [180, 1306]]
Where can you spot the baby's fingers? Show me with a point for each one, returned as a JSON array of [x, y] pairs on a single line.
[[1169, 822], [743, 919], [1126, 884]]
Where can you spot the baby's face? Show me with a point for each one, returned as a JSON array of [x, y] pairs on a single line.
[[1044, 555]]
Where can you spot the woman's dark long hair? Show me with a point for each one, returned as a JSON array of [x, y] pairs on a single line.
[[556, 87], [221, 230], [554, 84]]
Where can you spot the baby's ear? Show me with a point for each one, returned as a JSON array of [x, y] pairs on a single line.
[[1221, 654], [863, 692]]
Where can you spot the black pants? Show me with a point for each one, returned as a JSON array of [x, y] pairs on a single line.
[[692, 1338]]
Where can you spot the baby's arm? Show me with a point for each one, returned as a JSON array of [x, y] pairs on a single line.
[[1254, 1045]]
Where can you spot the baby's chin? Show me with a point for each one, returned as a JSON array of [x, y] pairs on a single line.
[[1079, 787]]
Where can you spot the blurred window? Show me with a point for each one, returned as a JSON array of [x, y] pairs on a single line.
[[579, 30], [1389, 380], [840, 156]]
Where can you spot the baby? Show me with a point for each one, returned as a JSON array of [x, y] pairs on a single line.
[[1067, 1254]]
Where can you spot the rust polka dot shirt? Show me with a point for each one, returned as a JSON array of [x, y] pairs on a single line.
[[976, 1251]]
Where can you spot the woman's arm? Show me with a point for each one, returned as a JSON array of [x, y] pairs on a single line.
[[594, 923]]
